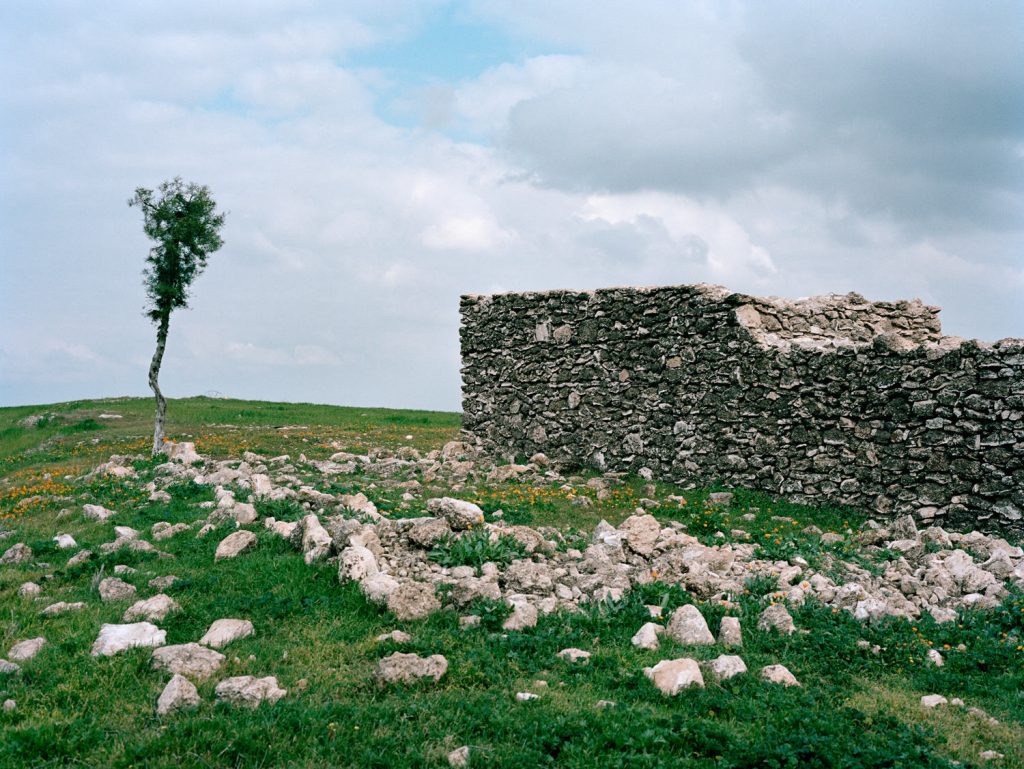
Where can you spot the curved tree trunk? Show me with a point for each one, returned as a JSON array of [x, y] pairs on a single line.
[[154, 372]]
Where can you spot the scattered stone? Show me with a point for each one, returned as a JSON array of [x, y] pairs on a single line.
[[602, 704], [526, 696], [154, 609], [10, 705], [932, 701], [672, 676], [114, 589], [985, 755], [29, 590], [357, 563], [249, 691], [163, 530], [396, 636], [117, 638], [179, 694], [776, 617], [65, 541], [164, 582], [80, 557], [408, 668], [62, 607], [647, 636], [935, 658], [726, 666], [189, 659], [729, 633], [377, 587], [19, 553], [121, 569], [26, 650], [97, 512], [316, 542], [8, 668], [235, 544], [574, 655], [723, 498], [523, 616], [641, 532], [459, 514], [225, 631], [459, 757], [779, 674], [468, 621], [688, 626], [413, 600]]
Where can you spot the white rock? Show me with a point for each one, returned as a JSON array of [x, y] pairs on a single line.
[[224, 631], [459, 757], [776, 617], [413, 600], [116, 638], [29, 590], [407, 668], [378, 587], [672, 676], [396, 636], [779, 674], [641, 532], [249, 691], [62, 607], [189, 659], [125, 532], [523, 616], [163, 530], [26, 650], [96, 512], [114, 589], [184, 452], [155, 608], [459, 514], [356, 563], [647, 636], [726, 666], [729, 633], [574, 655], [985, 755], [10, 705], [179, 694], [935, 658], [65, 541], [8, 668], [688, 626], [316, 542], [235, 544], [526, 696], [933, 700]]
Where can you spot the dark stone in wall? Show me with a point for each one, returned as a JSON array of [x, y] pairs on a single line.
[[831, 399]]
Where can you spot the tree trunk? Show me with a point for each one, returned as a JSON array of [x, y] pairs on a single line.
[[154, 372]]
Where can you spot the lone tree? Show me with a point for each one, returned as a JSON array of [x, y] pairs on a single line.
[[183, 221]]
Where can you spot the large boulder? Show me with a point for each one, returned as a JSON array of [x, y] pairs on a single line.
[[688, 626], [672, 676]]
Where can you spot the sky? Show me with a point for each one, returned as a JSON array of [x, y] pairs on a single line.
[[379, 158]]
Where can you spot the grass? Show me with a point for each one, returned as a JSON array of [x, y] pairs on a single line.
[[317, 636]]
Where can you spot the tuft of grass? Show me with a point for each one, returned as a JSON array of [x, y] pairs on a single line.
[[475, 548]]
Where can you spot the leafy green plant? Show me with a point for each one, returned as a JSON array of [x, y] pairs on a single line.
[[475, 548]]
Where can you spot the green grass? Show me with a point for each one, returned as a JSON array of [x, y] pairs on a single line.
[[317, 636]]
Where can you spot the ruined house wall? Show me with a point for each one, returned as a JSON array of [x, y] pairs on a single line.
[[825, 400]]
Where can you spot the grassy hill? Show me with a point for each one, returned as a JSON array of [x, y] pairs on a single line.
[[861, 683]]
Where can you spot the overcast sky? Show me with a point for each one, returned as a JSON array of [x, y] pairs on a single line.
[[378, 158]]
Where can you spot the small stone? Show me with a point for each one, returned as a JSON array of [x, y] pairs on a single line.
[[468, 621], [163, 530], [985, 755], [459, 757], [574, 655], [121, 569], [62, 607], [459, 514], [956, 702], [647, 636], [19, 553], [249, 691], [154, 609], [11, 705], [395, 636], [408, 668], [29, 590], [114, 589], [356, 563], [8, 668], [65, 541], [80, 557], [935, 658], [413, 600], [523, 616], [164, 582], [672, 676], [26, 650], [779, 674], [526, 696], [189, 659], [602, 704], [729, 633], [235, 544], [688, 626], [224, 631], [776, 617], [726, 666], [117, 638], [96, 512], [378, 587], [933, 700], [179, 694]]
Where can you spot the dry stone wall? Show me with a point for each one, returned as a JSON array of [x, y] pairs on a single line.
[[831, 399]]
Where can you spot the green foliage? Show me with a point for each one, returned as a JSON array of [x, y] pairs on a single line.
[[475, 548], [281, 509], [183, 221], [84, 426]]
